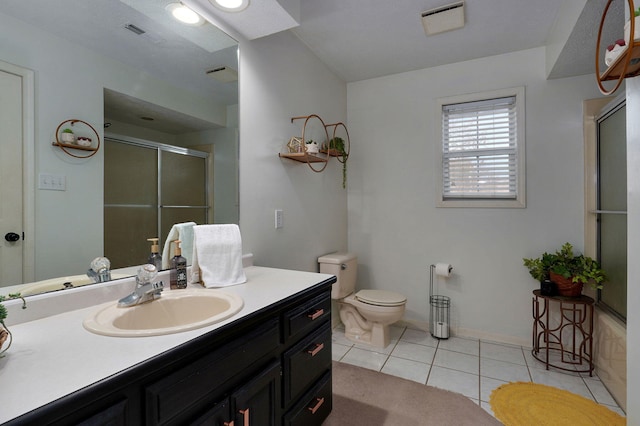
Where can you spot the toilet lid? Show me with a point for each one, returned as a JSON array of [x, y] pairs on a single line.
[[380, 297]]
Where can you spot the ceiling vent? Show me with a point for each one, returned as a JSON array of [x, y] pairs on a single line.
[[223, 74], [444, 18], [134, 29]]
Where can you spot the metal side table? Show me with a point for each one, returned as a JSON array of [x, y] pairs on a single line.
[[563, 332]]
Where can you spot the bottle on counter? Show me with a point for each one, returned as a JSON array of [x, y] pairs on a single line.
[[178, 275], [155, 258]]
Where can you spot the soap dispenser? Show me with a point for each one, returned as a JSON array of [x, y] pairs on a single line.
[[155, 258], [178, 276]]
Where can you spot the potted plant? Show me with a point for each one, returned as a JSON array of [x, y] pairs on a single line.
[[627, 28], [312, 147], [67, 136], [567, 270], [336, 148], [5, 334]]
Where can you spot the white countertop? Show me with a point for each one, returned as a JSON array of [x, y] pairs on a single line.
[[54, 356]]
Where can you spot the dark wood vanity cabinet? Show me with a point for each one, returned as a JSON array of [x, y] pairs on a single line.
[[271, 367]]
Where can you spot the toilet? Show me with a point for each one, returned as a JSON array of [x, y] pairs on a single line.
[[366, 314]]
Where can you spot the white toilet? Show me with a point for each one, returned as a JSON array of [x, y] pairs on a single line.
[[367, 314]]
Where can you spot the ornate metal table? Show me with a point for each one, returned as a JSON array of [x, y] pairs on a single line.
[[563, 332]]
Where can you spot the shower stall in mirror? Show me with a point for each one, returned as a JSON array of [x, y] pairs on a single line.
[[149, 187]]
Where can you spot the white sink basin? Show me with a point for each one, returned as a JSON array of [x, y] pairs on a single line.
[[175, 311], [55, 284]]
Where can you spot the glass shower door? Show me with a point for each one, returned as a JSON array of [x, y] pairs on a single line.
[[130, 202]]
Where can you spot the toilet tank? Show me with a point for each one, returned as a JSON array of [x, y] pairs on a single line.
[[345, 267]]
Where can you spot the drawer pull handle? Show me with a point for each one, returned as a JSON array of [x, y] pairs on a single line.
[[317, 406], [245, 414], [315, 350], [317, 314]]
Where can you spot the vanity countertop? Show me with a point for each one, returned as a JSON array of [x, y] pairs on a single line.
[[55, 356]]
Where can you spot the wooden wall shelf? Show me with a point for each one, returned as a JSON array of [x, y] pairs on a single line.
[[617, 67], [303, 157], [627, 64], [91, 149], [72, 146]]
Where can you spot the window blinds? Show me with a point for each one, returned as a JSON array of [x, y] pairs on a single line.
[[480, 149]]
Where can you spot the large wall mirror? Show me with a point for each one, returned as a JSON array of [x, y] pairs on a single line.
[[141, 79]]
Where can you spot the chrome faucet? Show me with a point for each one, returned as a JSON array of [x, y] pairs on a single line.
[[99, 271], [146, 290]]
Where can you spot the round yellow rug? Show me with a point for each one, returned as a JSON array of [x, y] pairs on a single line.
[[524, 403]]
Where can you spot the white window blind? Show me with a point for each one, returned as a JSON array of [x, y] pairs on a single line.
[[480, 149]]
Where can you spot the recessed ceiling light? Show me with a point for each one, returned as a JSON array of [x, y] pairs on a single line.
[[230, 5], [185, 15]]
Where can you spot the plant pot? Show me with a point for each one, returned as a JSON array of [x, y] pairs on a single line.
[[565, 286], [4, 336], [627, 30], [547, 288], [312, 148], [67, 137]]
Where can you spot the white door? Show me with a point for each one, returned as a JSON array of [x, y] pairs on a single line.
[[11, 214]]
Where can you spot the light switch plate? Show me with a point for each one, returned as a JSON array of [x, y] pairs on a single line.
[[279, 219], [52, 182]]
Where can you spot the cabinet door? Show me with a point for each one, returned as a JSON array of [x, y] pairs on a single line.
[[256, 402], [219, 415]]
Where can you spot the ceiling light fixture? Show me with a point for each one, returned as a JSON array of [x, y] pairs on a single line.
[[183, 14], [230, 5]]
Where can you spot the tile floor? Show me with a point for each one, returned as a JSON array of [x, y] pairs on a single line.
[[468, 366]]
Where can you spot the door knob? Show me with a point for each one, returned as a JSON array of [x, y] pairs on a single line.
[[12, 237]]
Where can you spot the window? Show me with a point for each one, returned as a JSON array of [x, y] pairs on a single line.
[[482, 151]]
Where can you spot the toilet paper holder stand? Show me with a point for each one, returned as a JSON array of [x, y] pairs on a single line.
[[439, 307]]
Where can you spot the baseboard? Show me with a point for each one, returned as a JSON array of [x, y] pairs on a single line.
[[470, 333]]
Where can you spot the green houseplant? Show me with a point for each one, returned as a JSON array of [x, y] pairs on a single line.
[[5, 334], [567, 270], [337, 147]]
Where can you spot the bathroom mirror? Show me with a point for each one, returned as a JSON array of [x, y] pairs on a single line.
[[128, 65]]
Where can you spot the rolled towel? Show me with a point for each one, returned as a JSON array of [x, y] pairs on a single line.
[[184, 233], [217, 256]]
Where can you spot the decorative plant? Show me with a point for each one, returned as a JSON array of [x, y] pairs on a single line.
[[579, 268], [4, 332], [337, 144], [67, 131], [637, 12]]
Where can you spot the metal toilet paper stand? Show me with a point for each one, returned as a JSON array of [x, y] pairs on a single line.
[[439, 310]]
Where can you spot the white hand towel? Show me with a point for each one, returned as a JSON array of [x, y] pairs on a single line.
[[184, 233], [217, 256]]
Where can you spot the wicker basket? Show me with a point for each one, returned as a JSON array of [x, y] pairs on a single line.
[[565, 286]]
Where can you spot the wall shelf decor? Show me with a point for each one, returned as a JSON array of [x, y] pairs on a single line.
[[80, 143], [627, 64], [338, 146], [302, 155]]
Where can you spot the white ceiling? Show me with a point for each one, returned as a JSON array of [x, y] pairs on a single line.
[[357, 39], [365, 39]]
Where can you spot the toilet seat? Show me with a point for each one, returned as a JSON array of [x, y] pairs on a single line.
[[380, 298]]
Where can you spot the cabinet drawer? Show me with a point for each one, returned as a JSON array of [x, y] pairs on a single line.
[[306, 361], [314, 406], [308, 316], [172, 395]]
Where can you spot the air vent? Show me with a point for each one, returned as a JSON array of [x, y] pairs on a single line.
[[223, 74], [444, 18], [134, 29]]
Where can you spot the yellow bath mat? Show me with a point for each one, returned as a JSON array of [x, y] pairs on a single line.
[[524, 403]]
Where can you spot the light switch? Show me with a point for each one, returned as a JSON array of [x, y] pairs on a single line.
[[52, 182], [279, 219]]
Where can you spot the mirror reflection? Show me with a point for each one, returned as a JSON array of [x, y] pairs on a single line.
[[162, 97]]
